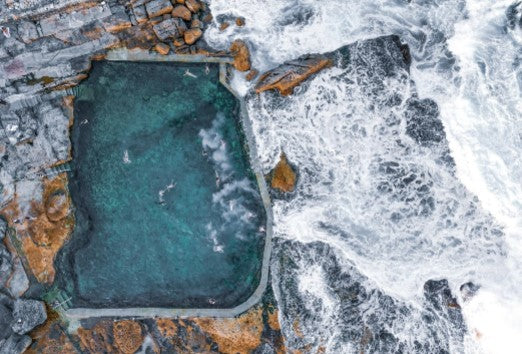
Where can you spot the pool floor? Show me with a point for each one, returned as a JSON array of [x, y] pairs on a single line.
[[168, 211]]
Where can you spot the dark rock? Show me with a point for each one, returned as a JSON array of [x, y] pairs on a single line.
[[469, 290], [5, 322], [15, 344], [422, 121], [27, 314], [171, 28], [6, 266], [158, 7]]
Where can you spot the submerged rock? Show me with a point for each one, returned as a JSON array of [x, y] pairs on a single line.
[[241, 55], [287, 76], [282, 177]]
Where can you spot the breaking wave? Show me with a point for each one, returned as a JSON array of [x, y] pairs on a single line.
[[410, 181]]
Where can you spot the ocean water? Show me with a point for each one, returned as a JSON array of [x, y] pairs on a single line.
[[410, 184], [168, 212]]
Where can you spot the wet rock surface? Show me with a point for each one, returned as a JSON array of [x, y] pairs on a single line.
[[350, 291], [241, 54], [287, 76], [283, 177]]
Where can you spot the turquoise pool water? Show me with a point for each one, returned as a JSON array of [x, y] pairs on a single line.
[[168, 211]]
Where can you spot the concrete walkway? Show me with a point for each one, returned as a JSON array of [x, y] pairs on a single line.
[[76, 314]]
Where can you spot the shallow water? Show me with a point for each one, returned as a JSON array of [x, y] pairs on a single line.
[[168, 211], [391, 215]]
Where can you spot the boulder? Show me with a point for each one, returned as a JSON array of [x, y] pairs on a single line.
[[193, 5], [27, 314], [182, 12], [240, 21], [140, 13], [224, 26], [283, 177], [15, 344], [290, 74], [192, 35], [178, 42], [171, 28], [162, 48], [241, 54], [158, 7], [196, 23]]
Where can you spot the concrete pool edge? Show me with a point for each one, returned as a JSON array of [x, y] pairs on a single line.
[[76, 314]]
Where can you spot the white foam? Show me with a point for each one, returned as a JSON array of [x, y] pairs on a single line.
[[330, 131]]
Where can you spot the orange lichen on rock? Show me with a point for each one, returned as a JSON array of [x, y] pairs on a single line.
[[273, 320], [297, 328], [223, 26], [235, 335], [142, 37], [192, 35], [127, 335], [182, 12], [50, 225], [241, 54], [167, 327], [50, 338], [283, 178], [162, 48], [251, 74], [96, 340], [287, 76], [240, 21]]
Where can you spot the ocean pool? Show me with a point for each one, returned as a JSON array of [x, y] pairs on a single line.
[[168, 210]]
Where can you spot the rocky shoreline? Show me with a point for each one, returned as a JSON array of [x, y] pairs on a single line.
[[46, 50]]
